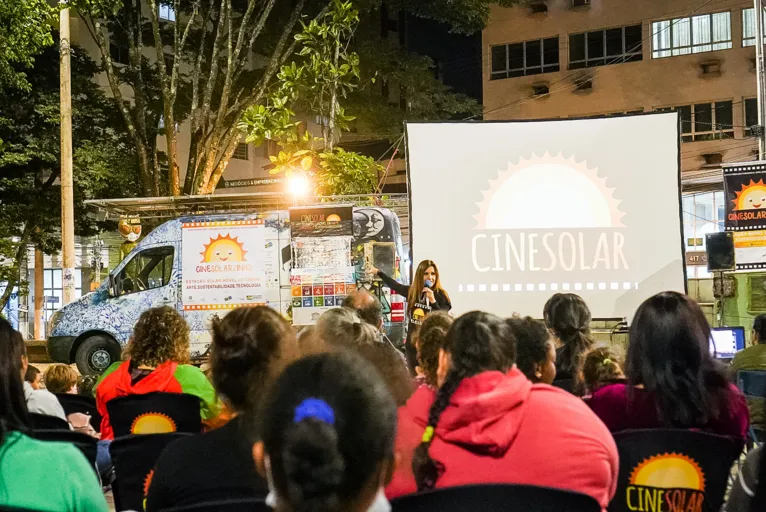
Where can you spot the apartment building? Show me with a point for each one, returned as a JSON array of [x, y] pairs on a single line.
[[579, 58]]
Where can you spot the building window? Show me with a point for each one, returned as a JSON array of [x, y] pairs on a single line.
[[751, 116], [119, 53], [705, 121], [167, 13], [612, 46], [698, 34], [702, 213], [240, 153], [748, 26], [53, 289], [527, 58]]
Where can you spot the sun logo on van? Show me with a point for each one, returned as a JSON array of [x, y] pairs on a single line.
[[224, 249], [546, 192], [153, 423], [751, 197]]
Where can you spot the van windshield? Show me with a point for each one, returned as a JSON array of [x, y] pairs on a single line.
[[147, 270]]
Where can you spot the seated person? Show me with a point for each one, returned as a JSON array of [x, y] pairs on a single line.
[[602, 367], [487, 423], [158, 356], [61, 378], [324, 438], [568, 318], [672, 380], [34, 377], [428, 341], [753, 358], [250, 347], [367, 307], [748, 494], [535, 349], [37, 475]]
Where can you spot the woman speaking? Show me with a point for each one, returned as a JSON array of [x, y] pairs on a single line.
[[424, 295]]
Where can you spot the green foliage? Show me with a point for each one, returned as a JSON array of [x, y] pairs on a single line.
[[103, 159], [346, 173], [25, 29], [463, 16]]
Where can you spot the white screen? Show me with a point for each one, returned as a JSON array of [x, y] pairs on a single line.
[[514, 212]]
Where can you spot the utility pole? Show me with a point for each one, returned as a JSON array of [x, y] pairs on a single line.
[[759, 72], [67, 196]]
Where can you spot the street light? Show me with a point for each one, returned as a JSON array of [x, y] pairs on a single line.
[[298, 185]]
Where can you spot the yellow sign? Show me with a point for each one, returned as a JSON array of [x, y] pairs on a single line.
[[670, 482]]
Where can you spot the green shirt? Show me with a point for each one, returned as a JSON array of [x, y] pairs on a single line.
[[47, 477]]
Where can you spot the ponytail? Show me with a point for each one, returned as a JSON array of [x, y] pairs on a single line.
[[427, 470], [313, 466]]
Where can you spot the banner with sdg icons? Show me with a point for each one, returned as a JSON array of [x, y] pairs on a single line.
[[314, 292]]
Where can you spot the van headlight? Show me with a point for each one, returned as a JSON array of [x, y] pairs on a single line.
[[53, 321]]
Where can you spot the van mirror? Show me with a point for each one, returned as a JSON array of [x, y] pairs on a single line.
[[112, 286]]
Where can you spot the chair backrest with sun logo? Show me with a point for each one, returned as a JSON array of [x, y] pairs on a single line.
[[155, 413], [133, 458], [673, 469]]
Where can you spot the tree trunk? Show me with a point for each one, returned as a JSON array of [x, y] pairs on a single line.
[[13, 278], [330, 141]]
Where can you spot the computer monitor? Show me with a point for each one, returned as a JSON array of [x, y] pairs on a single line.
[[727, 341]]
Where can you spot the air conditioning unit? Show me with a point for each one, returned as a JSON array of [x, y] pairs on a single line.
[[710, 68], [583, 84], [540, 89], [580, 3], [537, 7]]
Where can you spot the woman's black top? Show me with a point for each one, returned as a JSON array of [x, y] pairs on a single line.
[[442, 302]]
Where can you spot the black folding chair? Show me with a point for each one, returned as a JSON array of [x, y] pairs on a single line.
[[85, 443], [686, 469], [133, 458], [47, 422], [752, 383], [154, 413], [496, 498], [83, 404], [248, 505]]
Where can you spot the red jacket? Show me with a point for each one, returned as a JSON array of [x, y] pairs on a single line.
[[500, 428]]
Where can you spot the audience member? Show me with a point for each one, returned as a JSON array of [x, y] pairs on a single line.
[[344, 327], [61, 378], [250, 347], [85, 385], [429, 341], [39, 400], [34, 377], [390, 364], [673, 381], [535, 349], [325, 437], [568, 318], [753, 358], [158, 356], [602, 366], [367, 306], [748, 494], [36, 475], [488, 423]]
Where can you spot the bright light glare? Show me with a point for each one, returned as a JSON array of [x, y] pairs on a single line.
[[298, 185]]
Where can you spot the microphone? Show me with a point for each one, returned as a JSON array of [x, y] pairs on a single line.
[[428, 284]]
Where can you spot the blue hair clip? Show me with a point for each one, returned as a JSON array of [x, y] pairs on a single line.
[[314, 408]]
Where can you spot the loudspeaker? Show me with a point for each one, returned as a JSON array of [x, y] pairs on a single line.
[[720, 251]]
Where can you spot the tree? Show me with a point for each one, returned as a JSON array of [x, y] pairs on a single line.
[[29, 161], [225, 52], [463, 16], [24, 31]]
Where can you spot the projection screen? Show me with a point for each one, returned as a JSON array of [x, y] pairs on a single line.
[[513, 212]]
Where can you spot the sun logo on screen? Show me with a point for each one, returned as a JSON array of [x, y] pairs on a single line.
[[751, 197], [153, 423], [224, 249], [548, 192], [669, 471]]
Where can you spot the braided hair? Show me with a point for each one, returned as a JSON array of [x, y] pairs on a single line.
[[477, 342], [568, 318]]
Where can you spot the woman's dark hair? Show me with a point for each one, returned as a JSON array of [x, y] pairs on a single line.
[[31, 374], [430, 340], [392, 367], [327, 424], [759, 326], [250, 346], [669, 355], [477, 342], [568, 318], [13, 405], [533, 342]]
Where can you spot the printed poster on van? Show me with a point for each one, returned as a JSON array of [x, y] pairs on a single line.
[[745, 198], [223, 264]]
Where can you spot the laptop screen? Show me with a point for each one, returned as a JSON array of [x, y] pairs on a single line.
[[727, 341]]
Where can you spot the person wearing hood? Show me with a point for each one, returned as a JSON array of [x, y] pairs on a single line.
[[158, 356], [488, 423]]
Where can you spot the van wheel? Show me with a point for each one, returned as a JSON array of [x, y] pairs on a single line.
[[96, 353]]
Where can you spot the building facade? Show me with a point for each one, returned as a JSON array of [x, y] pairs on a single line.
[[577, 58]]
